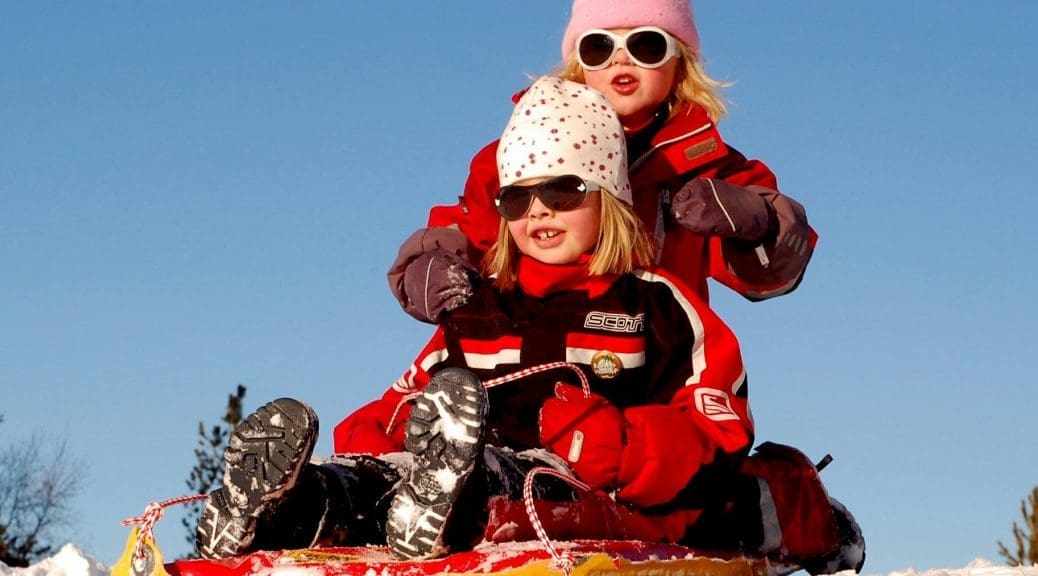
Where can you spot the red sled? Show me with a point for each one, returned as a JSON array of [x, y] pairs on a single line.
[[589, 558]]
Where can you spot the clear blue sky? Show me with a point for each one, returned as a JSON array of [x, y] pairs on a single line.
[[200, 195]]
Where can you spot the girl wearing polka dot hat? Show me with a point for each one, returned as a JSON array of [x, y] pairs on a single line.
[[616, 359], [572, 281]]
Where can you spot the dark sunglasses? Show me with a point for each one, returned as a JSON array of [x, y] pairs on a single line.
[[648, 47], [561, 193]]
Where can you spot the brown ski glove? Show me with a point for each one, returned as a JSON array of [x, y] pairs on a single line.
[[432, 274], [716, 208]]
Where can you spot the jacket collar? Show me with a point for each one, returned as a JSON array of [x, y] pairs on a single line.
[[688, 140], [539, 279]]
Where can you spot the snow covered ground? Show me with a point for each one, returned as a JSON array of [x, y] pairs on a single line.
[[71, 561]]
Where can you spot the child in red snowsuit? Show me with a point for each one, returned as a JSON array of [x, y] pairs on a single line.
[[659, 420], [711, 211]]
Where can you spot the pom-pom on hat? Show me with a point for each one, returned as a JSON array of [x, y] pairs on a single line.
[[674, 16], [559, 128]]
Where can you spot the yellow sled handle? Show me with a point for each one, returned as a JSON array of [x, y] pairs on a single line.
[[141, 557]]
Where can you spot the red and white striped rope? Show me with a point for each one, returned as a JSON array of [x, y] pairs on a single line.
[[562, 560], [518, 374], [152, 514], [396, 411], [584, 384]]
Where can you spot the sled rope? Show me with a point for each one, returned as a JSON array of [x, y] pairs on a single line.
[[396, 411], [152, 514], [584, 384], [518, 374], [561, 560]]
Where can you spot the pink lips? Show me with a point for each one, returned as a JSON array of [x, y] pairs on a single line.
[[624, 84]]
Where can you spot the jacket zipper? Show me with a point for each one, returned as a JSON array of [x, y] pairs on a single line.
[[641, 159]]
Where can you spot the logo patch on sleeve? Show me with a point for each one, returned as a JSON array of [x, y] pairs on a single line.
[[701, 149], [715, 404]]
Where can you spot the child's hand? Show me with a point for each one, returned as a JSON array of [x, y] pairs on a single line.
[[586, 432], [431, 274], [437, 281], [716, 208]]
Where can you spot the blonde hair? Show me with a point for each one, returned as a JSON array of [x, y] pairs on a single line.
[[623, 245], [691, 83]]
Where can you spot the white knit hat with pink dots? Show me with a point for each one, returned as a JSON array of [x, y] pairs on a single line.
[[561, 127]]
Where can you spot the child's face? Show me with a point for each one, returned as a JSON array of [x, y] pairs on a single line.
[[635, 92], [558, 237]]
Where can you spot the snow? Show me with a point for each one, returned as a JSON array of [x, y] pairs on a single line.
[[71, 561]]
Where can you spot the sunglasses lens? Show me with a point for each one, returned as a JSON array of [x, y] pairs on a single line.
[[647, 47], [562, 194], [595, 50], [513, 201]]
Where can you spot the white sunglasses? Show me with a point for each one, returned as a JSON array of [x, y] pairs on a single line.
[[648, 46]]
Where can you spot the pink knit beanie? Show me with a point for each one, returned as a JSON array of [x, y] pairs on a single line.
[[560, 127], [674, 16]]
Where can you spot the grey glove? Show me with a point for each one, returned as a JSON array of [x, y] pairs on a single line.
[[437, 281], [711, 207], [431, 273]]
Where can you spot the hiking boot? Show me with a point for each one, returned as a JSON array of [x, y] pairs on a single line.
[[263, 461], [445, 434], [850, 554], [221, 534]]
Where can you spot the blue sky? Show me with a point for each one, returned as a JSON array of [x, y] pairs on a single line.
[[195, 196]]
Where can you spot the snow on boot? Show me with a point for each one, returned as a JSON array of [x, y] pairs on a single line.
[[221, 534], [850, 555], [262, 463], [445, 433]]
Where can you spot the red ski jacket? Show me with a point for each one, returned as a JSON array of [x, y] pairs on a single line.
[[688, 146], [648, 344]]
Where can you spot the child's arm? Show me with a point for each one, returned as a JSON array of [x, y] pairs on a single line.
[[463, 231], [696, 362], [365, 430], [378, 427], [651, 452], [475, 214], [764, 265], [432, 273]]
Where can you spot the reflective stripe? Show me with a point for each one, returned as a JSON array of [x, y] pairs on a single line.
[[406, 382], [584, 355], [492, 360], [695, 322]]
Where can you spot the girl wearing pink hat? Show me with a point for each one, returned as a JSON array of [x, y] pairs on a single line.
[[712, 212]]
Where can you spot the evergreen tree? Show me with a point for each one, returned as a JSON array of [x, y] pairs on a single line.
[[1026, 537], [208, 472]]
